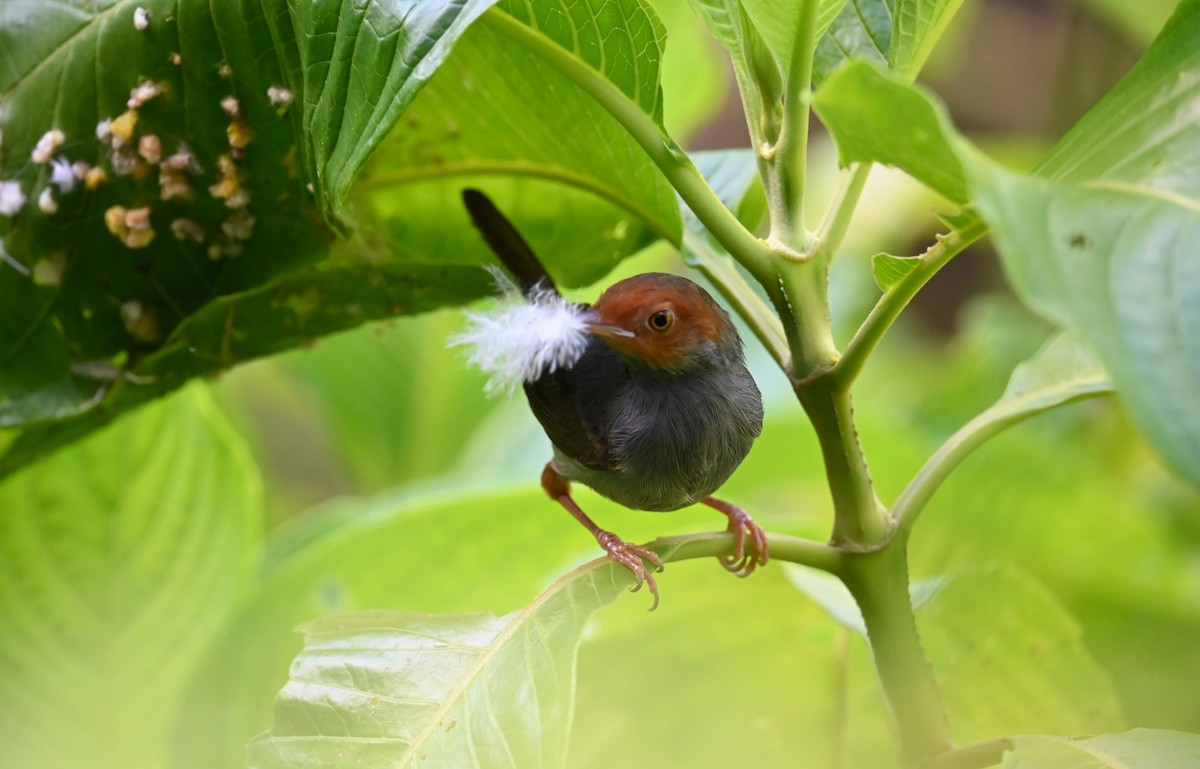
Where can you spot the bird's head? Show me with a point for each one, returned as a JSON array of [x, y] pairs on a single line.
[[665, 322]]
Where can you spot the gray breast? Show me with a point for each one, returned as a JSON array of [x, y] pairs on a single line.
[[675, 440]]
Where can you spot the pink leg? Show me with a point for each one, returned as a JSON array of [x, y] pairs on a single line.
[[741, 562], [628, 555]]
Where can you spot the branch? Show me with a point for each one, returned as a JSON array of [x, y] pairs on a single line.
[[744, 299], [896, 298], [834, 225], [663, 151], [958, 447], [791, 151], [782, 547]]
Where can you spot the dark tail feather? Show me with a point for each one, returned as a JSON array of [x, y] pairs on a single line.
[[514, 253]]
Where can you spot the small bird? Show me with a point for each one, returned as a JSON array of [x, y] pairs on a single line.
[[644, 395]]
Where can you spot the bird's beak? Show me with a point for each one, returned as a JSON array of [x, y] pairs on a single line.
[[606, 331]]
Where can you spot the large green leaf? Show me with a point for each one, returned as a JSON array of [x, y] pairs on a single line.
[[742, 674], [382, 689], [996, 630], [1143, 131], [916, 28], [860, 97], [1137, 749], [862, 30], [453, 548], [80, 296], [1106, 249], [120, 560], [999, 631], [361, 66], [1118, 267], [1142, 21], [94, 323]]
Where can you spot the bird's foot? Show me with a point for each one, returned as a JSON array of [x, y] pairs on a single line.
[[632, 557], [744, 560]]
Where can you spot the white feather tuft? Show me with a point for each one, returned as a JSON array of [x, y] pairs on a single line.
[[523, 338]]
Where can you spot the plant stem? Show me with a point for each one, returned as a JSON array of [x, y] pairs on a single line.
[[860, 522], [663, 151], [744, 299], [816, 555], [790, 154], [959, 446], [836, 222], [879, 583], [895, 299]]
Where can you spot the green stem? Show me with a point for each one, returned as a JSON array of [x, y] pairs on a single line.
[[836, 222], [800, 293], [879, 583], [895, 299], [782, 547], [791, 151], [663, 151], [860, 522], [744, 299], [969, 437]]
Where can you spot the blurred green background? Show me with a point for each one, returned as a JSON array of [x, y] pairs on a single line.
[[1073, 597], [1073, 503]]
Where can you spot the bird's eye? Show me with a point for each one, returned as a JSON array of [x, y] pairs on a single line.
[[661, 320]]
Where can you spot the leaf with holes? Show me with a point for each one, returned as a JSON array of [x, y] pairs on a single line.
[[182, 196]]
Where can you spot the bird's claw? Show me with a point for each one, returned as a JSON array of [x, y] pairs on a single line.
[[743, 563], [632, 557]]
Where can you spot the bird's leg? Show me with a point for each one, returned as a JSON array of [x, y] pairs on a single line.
[[741, 563], [628, 555]]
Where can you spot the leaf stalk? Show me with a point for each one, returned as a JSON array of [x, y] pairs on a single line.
[[896, 298]]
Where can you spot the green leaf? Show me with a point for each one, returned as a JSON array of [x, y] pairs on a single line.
[[733, 176], [450, 690], [1142, 21], [120, 561], [890, 270], [1116, 266], [532, 143], [782, 686], [859, 97], [917, 26], [1137, 749], [84, 297], [862, 30], [995, 630], [1061, 372], [357, 555], [998, 630], [1142, 131], [779, 23], [740, 25], [362, 65]]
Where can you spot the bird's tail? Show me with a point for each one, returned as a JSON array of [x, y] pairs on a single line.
[[508, 245]]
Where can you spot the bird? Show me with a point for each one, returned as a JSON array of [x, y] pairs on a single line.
[[645, 395]]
